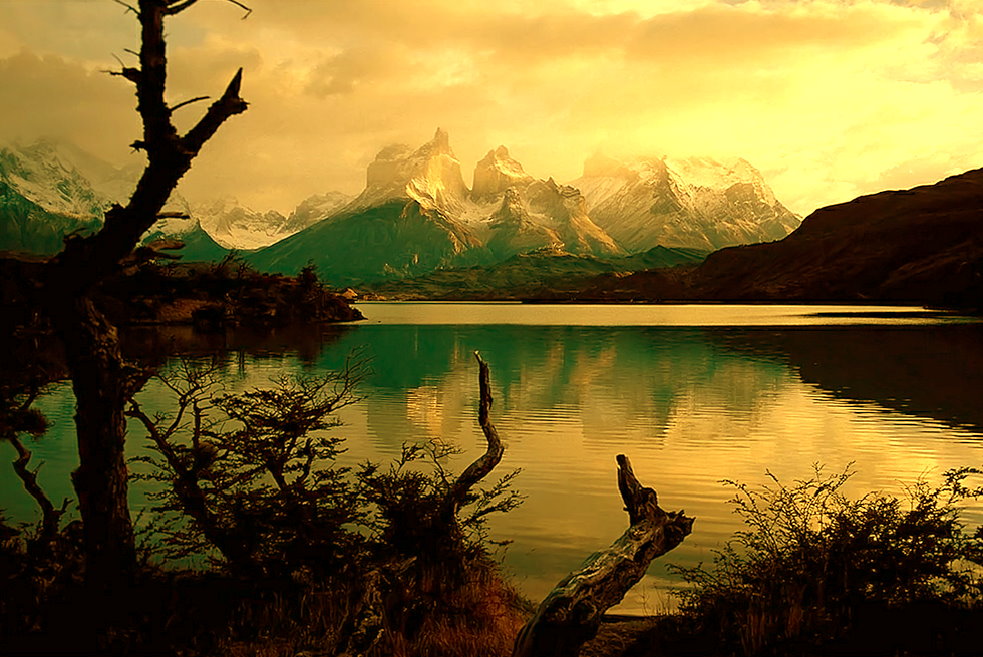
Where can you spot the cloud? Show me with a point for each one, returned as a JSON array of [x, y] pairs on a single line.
[[54, 97], [829, 98]]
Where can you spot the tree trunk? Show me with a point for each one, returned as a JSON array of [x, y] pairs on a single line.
[[571, 614], [101, 385], [100, 378]]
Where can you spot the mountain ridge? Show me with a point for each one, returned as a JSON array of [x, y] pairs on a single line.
[[920, 245], [415, 214], [506, 212], [698, 202]]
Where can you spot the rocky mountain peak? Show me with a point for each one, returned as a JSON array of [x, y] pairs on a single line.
[[496, 172], [430, 175], [718, 173], [441, 141], [696, 202], [45, 173]]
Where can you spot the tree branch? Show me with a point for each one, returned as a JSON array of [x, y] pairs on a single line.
[[228, 105], [188, 102], [128, 72], [485, 463], [50, 516], [239, 4], [85, 261], [571, 614], [177, 7], [128, 7]]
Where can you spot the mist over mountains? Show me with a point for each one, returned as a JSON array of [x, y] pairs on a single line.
[[417, 213], [49, 189]]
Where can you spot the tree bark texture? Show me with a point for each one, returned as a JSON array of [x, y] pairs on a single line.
[[571, 614]]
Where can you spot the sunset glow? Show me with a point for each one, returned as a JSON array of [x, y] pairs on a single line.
[[828, 98]]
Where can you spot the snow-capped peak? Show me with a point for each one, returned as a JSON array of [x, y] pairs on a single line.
[[45, 173], [497, 172], [699, 202], [713, 173]]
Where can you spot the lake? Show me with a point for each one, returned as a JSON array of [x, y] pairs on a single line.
[[693, 394]]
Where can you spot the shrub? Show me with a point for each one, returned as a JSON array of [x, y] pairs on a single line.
[[375, 561], [811, 557], [252, 475]]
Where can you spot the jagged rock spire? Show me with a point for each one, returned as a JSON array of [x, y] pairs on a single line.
[[497, 172]]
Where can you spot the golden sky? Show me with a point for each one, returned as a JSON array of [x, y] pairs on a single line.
[[828, 98]]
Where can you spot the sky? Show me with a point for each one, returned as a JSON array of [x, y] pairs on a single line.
[[829, 99]]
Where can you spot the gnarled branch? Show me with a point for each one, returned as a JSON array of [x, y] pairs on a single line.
[[229, 104], [571, 614], [485, 463], [50, 516], [169, 155]]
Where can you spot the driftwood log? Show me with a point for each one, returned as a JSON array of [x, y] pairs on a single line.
[[571, 614]]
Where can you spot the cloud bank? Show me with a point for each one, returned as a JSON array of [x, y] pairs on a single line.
[[829, 98]]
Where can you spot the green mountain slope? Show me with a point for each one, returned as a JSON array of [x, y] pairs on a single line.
[[394, 240], [26, 226], [545, 273]]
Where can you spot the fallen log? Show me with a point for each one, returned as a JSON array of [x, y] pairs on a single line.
[[571, 614]]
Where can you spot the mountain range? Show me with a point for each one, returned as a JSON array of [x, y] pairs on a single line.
[[416, 213], [695, 202], [920, 245], [624, 230], [49, 189]]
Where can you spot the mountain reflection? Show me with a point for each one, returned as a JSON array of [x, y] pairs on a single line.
[[691, 406], [927, 371], [614, 380], [608, 380]]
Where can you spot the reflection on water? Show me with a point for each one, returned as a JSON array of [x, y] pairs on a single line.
[[691, 405]]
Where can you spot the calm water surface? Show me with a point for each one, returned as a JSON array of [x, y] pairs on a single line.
[[693, 394]]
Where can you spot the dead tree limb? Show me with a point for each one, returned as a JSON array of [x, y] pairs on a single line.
[[571, 614], [50, 515], [485, 463]]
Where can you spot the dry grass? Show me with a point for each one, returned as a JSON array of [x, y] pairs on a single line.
[[481, 617], [617, 636]]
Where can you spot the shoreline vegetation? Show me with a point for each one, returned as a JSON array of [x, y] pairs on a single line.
[[207, 295], [814, 572], [304, 554]]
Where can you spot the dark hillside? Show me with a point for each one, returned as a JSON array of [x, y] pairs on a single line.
[[923, 245]]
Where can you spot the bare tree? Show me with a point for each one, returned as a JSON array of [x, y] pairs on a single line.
[[102, 381]]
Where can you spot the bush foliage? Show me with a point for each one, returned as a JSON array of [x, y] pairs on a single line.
[[250, 481], [811, 556]]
